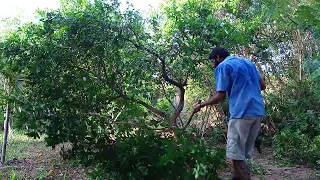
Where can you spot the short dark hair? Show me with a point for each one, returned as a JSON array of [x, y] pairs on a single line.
[[222, 52]]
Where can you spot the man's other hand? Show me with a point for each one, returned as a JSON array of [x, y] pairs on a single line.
[[196, 107]]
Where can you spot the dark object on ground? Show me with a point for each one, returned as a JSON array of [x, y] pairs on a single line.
[[257, 145], [13, 161], [267, 128]]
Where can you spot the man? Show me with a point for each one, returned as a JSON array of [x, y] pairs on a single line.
[[240, 80]]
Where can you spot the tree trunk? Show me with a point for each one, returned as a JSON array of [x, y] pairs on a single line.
[[5, 137], [299, 51], [179, 106]]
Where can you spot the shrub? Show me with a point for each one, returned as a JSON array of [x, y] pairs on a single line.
[[295, 147], [306, 123], [291, 101], [145, 154], [294, 109]]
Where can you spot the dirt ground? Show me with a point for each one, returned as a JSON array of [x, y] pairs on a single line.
[[264, 167], [29, 158], [48, 166]]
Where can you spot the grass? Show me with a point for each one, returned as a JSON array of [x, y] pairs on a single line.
[[256, 168], [29, 158], [19, 145]]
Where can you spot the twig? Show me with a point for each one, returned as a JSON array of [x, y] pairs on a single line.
[[206, 122], [190, 118], [119, 113]]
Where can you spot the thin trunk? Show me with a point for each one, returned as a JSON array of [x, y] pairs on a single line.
[[176, 114], [5, 137], [300, 68], [299, 52]]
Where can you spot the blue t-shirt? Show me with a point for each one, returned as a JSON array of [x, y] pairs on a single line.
[[239, 77]]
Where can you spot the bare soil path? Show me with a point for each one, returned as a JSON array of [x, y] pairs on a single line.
[[264, 167]]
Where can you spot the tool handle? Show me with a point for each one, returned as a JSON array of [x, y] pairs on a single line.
[[186, 126]]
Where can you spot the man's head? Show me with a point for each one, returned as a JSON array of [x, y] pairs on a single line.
[[218, 55]]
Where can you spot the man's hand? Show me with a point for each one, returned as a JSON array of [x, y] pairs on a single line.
[[217, 98], [262, 84], [196, 107]]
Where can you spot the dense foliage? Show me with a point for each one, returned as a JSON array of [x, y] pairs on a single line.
[[112, 82], [146, 154], [295, 108]]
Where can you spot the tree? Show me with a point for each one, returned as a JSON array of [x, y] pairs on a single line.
[[12, 85]]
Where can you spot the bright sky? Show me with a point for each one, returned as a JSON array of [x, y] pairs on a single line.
[[25, 8]]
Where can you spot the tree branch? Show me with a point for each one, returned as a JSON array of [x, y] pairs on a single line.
[[146, 105], [163, 63], [166, 77], [165, 94], [123, 95]]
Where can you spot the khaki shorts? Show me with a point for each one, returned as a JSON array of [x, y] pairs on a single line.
[[242, 134]]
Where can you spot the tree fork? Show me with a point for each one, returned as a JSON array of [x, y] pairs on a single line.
[[180, 85]]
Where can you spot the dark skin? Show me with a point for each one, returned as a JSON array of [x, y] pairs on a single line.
[[241, 170], [220, 95]]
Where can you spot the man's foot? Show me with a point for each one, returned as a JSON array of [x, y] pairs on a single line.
[[241, 170]]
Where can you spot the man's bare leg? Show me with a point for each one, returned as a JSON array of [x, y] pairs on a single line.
[[241, 170]]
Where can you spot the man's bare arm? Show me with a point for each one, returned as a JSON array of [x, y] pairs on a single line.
[[217, 98], [262, 84]]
